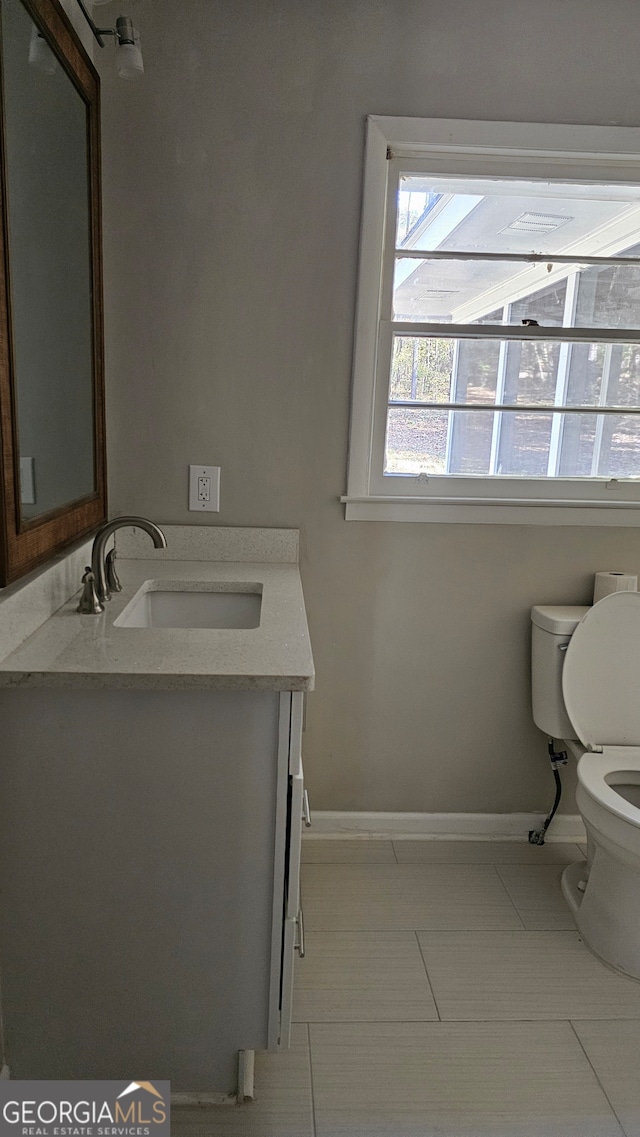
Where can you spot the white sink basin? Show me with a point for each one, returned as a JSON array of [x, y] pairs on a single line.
[[157, 607]]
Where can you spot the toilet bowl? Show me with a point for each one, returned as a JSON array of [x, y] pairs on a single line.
[[600, 688]]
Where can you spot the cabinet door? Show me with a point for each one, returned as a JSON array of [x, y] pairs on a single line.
[[280, 871], [295, 842], [295, 806], [288, 956]]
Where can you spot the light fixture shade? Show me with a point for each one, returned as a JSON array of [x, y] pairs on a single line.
[[40, 54], [129, 64]]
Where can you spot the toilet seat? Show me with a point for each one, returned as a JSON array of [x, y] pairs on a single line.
[[601, 688], [601, 674], [593, 771]]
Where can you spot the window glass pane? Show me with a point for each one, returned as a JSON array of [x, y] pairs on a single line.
[[523, 446], [609, 297], [460, 442], [608, 374], [413, 207], [620, 447], [435, 370], [511, 372], [421, 368], [527, 444], [585, 362], [623, 386], [475, 376], [531, 370], [605, 446], [469, 291], [576, 453], [493, 317], [470, 441], [504, 215], [416, 441], [546, 306]]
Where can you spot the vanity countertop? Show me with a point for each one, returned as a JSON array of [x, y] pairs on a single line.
[[89, 652]]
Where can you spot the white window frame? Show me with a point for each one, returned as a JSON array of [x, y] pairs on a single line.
[[499, 149]]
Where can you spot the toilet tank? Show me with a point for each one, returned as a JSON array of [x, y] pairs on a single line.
[[553, 626]]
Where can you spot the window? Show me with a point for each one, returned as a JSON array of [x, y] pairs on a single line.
[[497, 357]]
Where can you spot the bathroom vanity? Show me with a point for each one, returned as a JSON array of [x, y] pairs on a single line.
[[151, 794]]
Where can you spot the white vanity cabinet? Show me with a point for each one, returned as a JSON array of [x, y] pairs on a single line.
[[149, 866]]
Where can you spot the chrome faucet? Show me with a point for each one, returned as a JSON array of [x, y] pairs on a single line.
[[96, 587]]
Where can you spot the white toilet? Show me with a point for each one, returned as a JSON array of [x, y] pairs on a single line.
[[586, 691]]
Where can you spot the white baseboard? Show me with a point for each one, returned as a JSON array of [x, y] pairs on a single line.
[[444, 826], [191, 1099], [245, 1092]]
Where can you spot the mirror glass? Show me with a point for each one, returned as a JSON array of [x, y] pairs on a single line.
[[50, 274]]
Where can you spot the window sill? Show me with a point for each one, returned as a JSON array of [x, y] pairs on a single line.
[[488, 512]]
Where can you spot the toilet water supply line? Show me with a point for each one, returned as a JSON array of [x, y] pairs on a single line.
[[558, 758]]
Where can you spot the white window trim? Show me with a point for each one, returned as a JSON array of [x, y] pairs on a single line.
[[591, 153]]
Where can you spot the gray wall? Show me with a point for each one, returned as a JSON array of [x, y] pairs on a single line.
[[232, 204]]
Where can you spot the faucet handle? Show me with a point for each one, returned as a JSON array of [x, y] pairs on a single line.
[[89, 603], [113, 584]]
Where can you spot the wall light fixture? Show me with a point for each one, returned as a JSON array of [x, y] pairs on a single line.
[[129, 64]]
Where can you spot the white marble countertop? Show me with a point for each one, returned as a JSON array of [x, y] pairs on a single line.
[[73, 651]]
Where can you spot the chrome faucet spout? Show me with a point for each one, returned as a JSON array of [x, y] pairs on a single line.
[[98, 557]]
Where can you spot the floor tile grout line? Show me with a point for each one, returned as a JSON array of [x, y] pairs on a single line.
[[455, 928], [511, 900], [455, 1022], [595, 1072], [440, 864], [426, 971], [524, 910], [396, 1022], [311, 1086]]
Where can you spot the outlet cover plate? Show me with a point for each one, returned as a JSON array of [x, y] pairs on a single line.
[[204, 489]]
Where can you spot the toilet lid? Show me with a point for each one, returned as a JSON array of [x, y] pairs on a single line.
[[601, 673]]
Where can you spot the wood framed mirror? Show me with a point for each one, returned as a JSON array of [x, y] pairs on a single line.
[[53, 466]]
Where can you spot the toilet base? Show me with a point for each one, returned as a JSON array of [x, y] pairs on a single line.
[[607, 912], [574, 875]]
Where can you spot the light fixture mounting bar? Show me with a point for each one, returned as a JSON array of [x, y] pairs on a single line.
[[98, 32]]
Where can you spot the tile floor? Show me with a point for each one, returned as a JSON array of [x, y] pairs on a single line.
[[444, 993]]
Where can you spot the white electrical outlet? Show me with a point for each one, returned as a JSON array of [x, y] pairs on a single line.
[[204, 489]]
